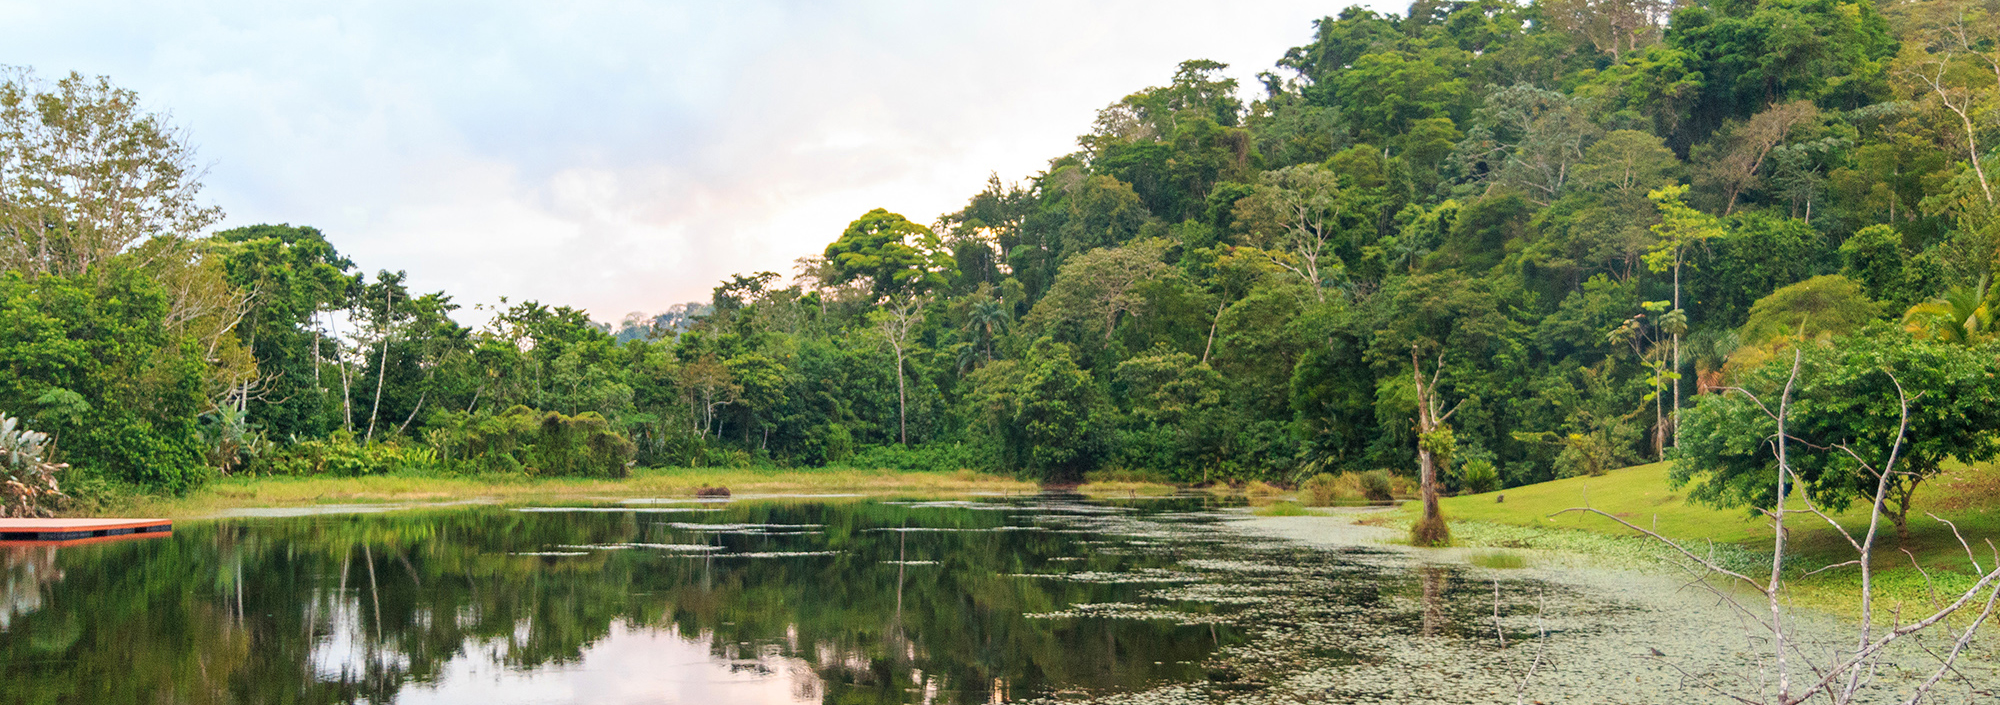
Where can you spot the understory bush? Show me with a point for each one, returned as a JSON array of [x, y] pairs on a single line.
[[539, 443], [1326, 489], [1376, 486], [923, 457], [1477, 477], [29, 489], [341, 455]]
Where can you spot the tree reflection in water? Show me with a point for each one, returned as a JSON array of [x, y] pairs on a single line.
[[758, 602]]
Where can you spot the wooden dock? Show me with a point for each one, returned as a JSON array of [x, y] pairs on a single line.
[[44, 532]]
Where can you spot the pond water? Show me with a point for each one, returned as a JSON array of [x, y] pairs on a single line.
[[850, 601], [1040, 599]]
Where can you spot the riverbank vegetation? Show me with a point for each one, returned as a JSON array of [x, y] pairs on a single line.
[[1645, 496], [1583, 222], [411, 489]]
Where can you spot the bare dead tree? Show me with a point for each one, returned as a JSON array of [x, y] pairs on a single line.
[[897, 321], [1431, 432], [1787, 673]]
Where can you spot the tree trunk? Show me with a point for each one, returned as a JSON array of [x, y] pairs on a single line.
[[1676, 416], [1431, 530], [1211, 332], [1427, 468], [902, 404], [382, 363]]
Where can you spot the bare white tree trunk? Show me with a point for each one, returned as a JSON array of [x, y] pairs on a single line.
[[382, 363]]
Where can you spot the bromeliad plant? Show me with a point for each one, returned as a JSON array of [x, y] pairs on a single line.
[[29, 489]]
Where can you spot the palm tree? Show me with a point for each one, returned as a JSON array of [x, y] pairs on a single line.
[[1963, 315], [989, 316]]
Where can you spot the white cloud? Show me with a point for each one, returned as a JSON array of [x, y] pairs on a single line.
[[626, 155]]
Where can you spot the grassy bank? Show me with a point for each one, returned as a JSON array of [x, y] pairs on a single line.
[[1966, 496], [237, 492]]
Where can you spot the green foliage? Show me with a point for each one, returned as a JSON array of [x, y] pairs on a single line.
[[1846, 416], [1823, 306], [1875, 258], [230, 439], [1044, 412], [340, 455], [1203, 291], [1966, 315], [1498, 560], [30, 488], [1477, 477], [92, 357], [894, 254], [922, 457], [1376, 487], [538, 443]]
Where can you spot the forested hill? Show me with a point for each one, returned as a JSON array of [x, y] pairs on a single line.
[[1583, 215]]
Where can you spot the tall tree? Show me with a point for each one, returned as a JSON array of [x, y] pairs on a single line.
[[1741, 159], [1951, 59], [1300, 207], [897, 322], [896, 255], [86, 172], [1681, 230], [1615, 27]]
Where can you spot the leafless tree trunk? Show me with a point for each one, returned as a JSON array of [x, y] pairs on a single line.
[[1210, 345], [898, 322], [1431, 529], [382, 364]]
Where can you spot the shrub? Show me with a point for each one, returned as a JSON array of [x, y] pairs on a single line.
[[923, 457], [1404, 487], [1430, 532], [230, 440], [724, 457], [1258, 488], [1325, 489], [340, 455], [1478, 477], [541, 443], [584, 444], [29, 489], [1376, 486]]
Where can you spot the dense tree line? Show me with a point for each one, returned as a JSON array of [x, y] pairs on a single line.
[[1583, 217]]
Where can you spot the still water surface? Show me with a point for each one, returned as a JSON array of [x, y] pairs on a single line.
[[849, 601]]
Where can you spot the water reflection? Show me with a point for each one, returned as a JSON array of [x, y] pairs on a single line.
[[767, 602]]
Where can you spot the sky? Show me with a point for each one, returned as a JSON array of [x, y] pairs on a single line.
[[625, 156]]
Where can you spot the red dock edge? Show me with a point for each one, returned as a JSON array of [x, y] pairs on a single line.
[[66, 532]]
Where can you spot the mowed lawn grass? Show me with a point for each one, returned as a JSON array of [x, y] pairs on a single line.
[[237, 492], [1642, 495]]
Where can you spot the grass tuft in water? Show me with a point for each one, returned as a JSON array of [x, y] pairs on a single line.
[[1282, 509], [1498, 560]]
